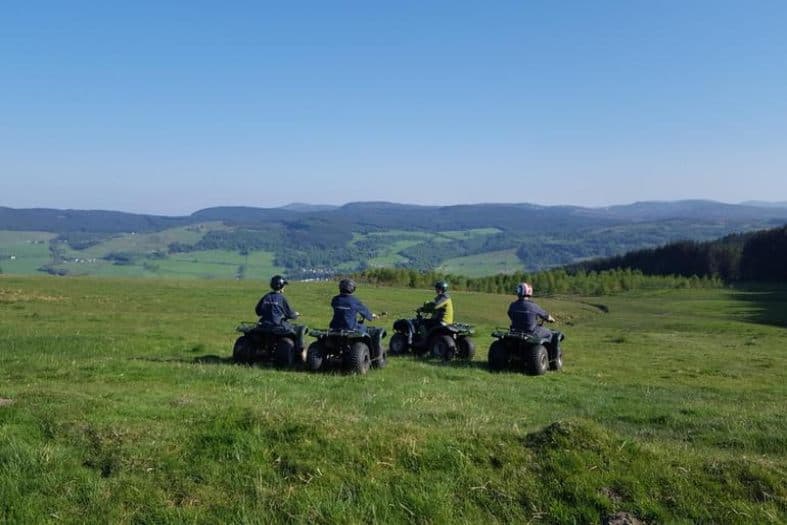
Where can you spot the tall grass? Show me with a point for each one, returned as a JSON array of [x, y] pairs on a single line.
[[120, 406]]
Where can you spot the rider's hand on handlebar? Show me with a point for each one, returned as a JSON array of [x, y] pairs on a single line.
[[374, 316], [550, 319]]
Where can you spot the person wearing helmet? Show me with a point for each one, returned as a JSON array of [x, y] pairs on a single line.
[[273, 308], [525, 314], [441, 307], [347, 308]]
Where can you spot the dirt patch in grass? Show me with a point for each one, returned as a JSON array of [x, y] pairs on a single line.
[[5, 402], [622, 518], [20, 296]]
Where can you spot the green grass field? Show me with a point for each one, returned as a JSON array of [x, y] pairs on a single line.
[[118, 405], [391, 255], [23, 252], [482, 264], [30, 251]]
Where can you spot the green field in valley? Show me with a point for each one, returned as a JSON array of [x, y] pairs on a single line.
[[483, 264], [148, 254], [27, 252], [118, 404], [24, 252]]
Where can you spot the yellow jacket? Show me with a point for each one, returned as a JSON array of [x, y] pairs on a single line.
[[442, 309]]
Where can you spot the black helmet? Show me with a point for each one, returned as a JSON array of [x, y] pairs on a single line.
[[441, 286], [278, 282], [346, 286]]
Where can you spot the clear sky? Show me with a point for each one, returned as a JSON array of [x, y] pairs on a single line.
[[168, 107]]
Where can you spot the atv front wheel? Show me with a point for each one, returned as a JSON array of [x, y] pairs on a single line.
[[556, 359], [381, 360], [243, 351], [498, 356], [443, 347], [466, 348], [314, 356], [358, 358], [285, 352], [537, 360], [398, 344]]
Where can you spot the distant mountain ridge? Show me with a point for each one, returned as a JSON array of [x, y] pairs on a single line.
[[397, 215]]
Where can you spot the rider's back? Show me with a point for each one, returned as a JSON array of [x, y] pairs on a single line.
[[524, 315], [273, 308], [346, 309]]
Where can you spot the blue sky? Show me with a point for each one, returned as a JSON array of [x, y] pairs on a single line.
[[168, 107]]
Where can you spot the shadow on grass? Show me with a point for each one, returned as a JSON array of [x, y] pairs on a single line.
[[212, 360], [199, 360], [765, 306], [330, 366], [456, 363]]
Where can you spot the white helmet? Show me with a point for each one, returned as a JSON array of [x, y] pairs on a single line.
[[524, 290]]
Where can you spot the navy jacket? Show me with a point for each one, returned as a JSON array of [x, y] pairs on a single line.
[[346, 309], [273, 308], [524, 315]]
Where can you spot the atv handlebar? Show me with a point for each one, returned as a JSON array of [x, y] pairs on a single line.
[[374, 316]]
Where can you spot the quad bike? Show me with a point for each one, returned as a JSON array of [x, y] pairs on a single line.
[[529, 352], [354, 350], [284, 345], [442, 341]]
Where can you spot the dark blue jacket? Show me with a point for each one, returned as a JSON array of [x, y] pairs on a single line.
[[273, 308], [346, 309], [524, 315]]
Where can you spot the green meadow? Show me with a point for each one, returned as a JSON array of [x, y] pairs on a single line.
[[118, 404], [483, 264]]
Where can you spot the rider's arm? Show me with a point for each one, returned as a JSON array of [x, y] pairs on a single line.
[[427, 307], [364, 311], [289, 313], [440, 303], [543, 314]]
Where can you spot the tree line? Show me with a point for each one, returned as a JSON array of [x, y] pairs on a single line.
[[547, 282], [753, 256]]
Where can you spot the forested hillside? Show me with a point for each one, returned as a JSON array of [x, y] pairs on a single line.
[[753, 256], [321, 241]]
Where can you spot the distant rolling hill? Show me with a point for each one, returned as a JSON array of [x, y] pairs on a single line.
[[320, 240]]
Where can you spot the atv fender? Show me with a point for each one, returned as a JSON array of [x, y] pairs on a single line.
[[300, 336], [441, 330], [406, 327]]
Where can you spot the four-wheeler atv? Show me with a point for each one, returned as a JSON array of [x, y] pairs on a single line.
[[525, 351], [283, 345], [442, 341], [353, 350]]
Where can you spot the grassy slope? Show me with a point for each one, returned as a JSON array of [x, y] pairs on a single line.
[[490, 263], [207, 264], [391, 255], [124, 410], [30, 250], [218, 264]]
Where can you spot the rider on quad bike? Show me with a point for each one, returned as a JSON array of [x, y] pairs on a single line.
[[438, 334], [526, 344], [441, 307], [273, 308], [272, 336], [348, 341]]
